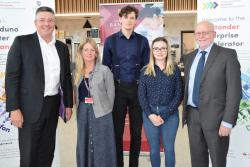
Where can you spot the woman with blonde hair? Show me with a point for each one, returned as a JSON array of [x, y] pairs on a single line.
[[160, 94], [94, 90]]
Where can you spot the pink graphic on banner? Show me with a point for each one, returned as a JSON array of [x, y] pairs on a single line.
[[149, 22]]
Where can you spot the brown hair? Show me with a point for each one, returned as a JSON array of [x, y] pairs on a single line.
[[127, 10]]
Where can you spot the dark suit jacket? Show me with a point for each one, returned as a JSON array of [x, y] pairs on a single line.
[[25, 80], [220, 89]]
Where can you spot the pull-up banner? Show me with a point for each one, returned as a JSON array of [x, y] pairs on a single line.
[[232, 24], [17, 18]]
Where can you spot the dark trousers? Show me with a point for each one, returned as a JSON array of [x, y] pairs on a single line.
[[37, 140], [204, 142], [126, 100]]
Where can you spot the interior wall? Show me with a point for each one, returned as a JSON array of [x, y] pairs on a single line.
[[173, 27], [74, 27]]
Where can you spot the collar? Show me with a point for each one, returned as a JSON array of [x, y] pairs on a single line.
[[157, 67], [97, 66], [120, 34], [207, 49], [52, 42]]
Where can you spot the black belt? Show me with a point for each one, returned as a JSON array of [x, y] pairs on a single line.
[[124, 83], [192, 107], [53, 96]]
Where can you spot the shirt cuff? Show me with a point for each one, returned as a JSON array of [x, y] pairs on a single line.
[[227, 125]]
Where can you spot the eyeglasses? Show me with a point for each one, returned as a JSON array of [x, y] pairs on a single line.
[[203, 33], [162, 49]]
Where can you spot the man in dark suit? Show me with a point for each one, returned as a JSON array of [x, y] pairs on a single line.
[[211, 99], [37, 66]]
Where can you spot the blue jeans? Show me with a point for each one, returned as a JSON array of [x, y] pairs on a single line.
[[166, 132]]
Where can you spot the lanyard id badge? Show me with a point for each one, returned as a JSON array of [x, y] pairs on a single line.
[[88, 100]]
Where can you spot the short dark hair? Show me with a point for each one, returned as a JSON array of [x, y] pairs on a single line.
[[127, 10], [44, 9]]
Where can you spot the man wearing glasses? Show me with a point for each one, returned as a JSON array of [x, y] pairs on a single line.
[[37, 66], [212, 97]]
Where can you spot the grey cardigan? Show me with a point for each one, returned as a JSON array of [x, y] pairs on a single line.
[[102, 89]]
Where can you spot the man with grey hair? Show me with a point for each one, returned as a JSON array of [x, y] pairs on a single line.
[[37, 67], [212, 97]]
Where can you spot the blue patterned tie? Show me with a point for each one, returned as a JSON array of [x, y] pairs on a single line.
[[197, 79]]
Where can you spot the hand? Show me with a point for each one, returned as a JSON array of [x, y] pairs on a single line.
[[68, 113], [155, 119], [161, 120], [16, 118], [224, 131]]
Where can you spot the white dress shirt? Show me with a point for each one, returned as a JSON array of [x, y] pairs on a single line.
[[192, 74], [51, 64]]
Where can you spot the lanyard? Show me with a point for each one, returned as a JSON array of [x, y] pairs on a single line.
[[87, 87]]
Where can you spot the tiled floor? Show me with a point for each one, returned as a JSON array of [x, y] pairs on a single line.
[[67, 142]]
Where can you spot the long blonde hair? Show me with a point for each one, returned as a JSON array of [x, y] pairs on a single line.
[[169, 68], [80, 64]]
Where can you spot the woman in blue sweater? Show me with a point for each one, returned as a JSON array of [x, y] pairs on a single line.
[[160, 94]]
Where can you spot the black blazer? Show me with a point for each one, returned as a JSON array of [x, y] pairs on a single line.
[[25, 81]]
